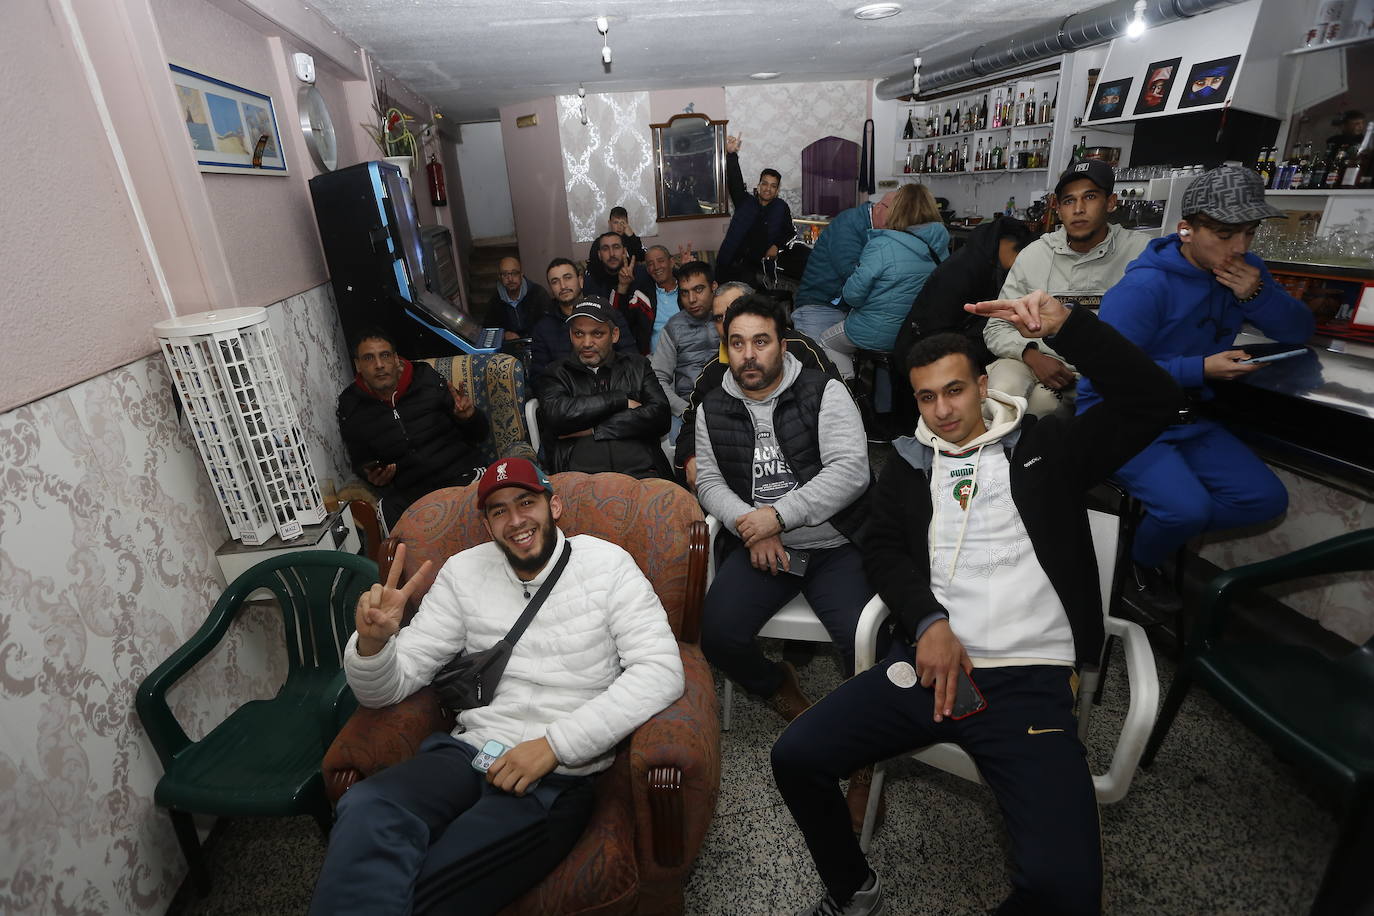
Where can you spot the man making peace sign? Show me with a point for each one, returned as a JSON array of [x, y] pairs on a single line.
[[596, 661]]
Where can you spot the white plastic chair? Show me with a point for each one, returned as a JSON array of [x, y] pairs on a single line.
[[532, 422], [1142, 679], [794, 620]]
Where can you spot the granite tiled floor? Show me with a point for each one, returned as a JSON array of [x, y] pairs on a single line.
[[1218, 826]]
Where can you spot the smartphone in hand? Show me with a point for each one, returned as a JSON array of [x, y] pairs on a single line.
[[1268, 353], [968, 699], [797, 561], [483, 759]]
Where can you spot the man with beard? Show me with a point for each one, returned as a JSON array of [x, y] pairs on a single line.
[[790, 502], [437, 832], [613, 275], [549, 339], [601, 410], [800, 347], [1077, 264], [406, 428]]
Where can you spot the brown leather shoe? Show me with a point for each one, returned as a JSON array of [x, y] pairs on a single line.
[[788, 700], [860, 786]]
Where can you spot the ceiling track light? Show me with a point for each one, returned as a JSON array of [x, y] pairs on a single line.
[[603, 26], [1136, 27]]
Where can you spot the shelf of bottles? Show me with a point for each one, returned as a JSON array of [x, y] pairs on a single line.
[[230, 378], [1338, 167], [1001, 130]]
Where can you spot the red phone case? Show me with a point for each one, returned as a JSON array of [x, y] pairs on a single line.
[[963, 697]]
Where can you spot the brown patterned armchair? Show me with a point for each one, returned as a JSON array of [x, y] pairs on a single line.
[[657, 800]]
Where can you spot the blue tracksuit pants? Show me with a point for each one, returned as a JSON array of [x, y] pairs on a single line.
[[1197, 477]]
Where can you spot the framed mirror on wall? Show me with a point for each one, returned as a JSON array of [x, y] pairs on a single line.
[[689, 166]]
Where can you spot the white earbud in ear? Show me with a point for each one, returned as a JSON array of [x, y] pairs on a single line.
[[1184, 232]]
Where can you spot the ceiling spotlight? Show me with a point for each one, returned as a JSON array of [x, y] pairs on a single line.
[[602, 25], [877, 11], [1136, 27], [765, 75], [605, 54]]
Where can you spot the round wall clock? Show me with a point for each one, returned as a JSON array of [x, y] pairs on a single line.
[[318, 128]]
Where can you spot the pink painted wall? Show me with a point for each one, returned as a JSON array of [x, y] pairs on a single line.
[[534, 162], [78, 283], [266, 225]]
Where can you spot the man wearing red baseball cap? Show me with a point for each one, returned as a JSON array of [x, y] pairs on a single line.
[[480, 815]]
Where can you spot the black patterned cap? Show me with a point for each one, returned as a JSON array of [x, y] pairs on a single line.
[[589, 308], [1229, 194]]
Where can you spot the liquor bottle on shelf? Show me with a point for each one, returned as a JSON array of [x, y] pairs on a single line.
[[1030, 108], [939, 158], [1081, 148], [1332, 178], [909, 131], [978, 164], [996, 112], [930, 159], [1357, 168], [1262, 166], [1043, 116], [1019, 115], [1054, 103], [965, 164], [983, 113], [907, 167]]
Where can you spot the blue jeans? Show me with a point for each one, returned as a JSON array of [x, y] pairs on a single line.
[[811, 320], [430, 833]]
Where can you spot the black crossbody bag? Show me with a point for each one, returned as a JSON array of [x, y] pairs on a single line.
[[469, 679]]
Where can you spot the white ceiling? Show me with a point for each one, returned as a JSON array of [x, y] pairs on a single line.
[[470, 57]]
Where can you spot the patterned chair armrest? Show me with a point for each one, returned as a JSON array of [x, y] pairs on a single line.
[[374, 739], [675, 758], [496, 382]]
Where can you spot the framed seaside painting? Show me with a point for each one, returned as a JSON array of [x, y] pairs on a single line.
[[233, 130]]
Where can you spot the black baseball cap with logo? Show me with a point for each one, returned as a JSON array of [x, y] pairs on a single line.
[[589, 309], [1095, 170]]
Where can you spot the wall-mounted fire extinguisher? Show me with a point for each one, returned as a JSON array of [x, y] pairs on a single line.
[[437, 194]]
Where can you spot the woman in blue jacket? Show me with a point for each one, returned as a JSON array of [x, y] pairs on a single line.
[[892, 269]]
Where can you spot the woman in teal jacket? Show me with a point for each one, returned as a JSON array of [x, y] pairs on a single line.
[[892, 269]]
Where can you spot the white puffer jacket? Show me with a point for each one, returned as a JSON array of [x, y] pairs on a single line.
[[595, 663]]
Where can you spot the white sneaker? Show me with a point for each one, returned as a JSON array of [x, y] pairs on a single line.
[[867, 901]]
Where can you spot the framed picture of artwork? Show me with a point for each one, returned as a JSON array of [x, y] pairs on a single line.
[[1209, 83], [1154, 90], [1109, 99], [233, 130]]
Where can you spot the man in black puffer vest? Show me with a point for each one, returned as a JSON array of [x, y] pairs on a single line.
[[406, 429], [792, 496]]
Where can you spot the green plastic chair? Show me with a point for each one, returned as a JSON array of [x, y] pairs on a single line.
[[264, 760], [1314, 711]]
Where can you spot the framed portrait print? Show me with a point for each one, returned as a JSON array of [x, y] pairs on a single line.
[[1209, 82], [232, 129], [1154, 89], [1109, 99]]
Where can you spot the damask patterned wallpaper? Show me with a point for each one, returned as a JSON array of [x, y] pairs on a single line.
[[776, 120], [107, 541], [607, 162]]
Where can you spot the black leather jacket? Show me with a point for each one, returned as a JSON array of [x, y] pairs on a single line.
[[573, 398]]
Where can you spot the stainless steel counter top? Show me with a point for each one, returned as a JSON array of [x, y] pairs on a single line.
[[1342, 378]]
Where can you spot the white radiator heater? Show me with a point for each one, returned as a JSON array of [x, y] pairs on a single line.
[[226, 368]]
